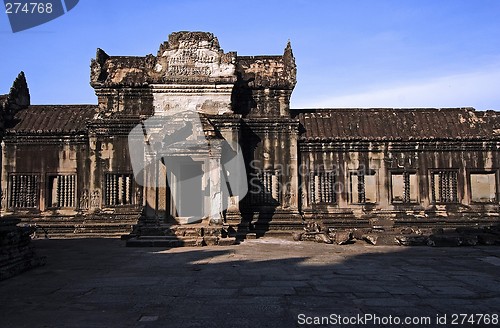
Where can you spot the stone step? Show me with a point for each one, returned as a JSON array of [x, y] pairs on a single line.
[[90, 226], [160, 238], [179, 241], [61, 231], [255, 234], [163, 242], [285, 234], [19, 266], [78, 235]]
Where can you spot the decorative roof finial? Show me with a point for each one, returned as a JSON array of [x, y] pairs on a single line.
[[19, 95], [288, 55]]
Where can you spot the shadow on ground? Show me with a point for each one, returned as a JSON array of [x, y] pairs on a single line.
[[260, 283]]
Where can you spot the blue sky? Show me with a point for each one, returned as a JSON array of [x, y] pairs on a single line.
[[349, 53]]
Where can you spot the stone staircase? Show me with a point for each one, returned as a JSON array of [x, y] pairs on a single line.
[[174, 235], [16, 251], [89, 226]]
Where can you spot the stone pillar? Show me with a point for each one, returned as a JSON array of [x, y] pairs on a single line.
[[4, 177], [293, 192], [214, 171], [95, 176], [378, 163], [230, 131], [150, 186], [162, 210]]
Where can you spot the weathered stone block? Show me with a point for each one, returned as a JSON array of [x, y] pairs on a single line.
[[210, 240], [343, 237], [412, 240], [189, 242], [381, 223], [359, 234], [251, 235], [227, 241], [371, 238], [437, 231], [193, 233], [16, 252], [488, 239], [468, 240], [406, 231], [215, 232], [495, 230], [380, 239], [308, 237], [322, 238], [180, 232], [467, 230], [297, 236], [444, 240]]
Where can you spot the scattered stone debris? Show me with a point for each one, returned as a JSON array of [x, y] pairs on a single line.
[[343, 237], [465, 236], [412, 240], [403, 236], [320, 233]]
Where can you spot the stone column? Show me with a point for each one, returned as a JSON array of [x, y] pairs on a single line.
[[293, 192], [4, 181], [162, 210], [230, 131], [150, 186], [96, 176], [214, 171]]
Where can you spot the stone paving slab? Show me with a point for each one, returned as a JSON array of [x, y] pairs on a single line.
[[260, 283]]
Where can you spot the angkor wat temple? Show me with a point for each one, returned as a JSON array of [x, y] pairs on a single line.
[[80, 170]]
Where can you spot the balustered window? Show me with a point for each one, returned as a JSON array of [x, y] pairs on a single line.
[[404, 187], [23, 191], [118, 189], [61, 190], [266, 188], [321, 187], [444, 186]]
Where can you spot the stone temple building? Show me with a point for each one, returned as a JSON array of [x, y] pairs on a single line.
[[73, 170]]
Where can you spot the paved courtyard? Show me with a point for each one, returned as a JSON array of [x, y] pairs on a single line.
[[260, 283]]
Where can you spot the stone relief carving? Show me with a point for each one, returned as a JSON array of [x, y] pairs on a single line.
[[138, 197], [3, 194], [95, 200], [287, 198], [84, 200], [194, 54]]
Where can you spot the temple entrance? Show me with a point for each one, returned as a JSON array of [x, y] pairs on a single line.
[[185, 190], [189, 198]]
